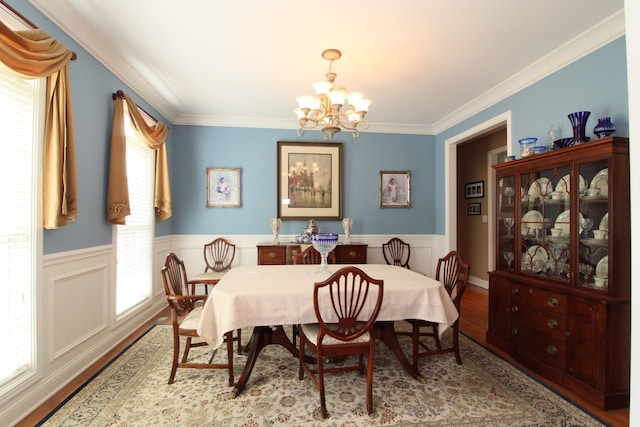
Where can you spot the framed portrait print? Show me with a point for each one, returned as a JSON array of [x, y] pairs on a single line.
[[474, 209], [223, 187], [395, 189], [474, 190], [309, 180]]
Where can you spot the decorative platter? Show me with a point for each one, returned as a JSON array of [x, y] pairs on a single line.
[[601, 181], [563, 221], [535, 259], [564, 185], [602, 269], [540, 189], [604, 222]]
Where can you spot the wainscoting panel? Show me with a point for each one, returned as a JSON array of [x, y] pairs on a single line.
[[78, 294], [76, 311]]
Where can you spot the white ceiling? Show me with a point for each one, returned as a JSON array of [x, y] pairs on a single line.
[[426, 64]]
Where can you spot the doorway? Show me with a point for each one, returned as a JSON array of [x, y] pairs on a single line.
[[455, 203]]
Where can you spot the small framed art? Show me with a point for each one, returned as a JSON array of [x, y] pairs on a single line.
[[474, 190], [223, 187], [395, 189], [474, 209]]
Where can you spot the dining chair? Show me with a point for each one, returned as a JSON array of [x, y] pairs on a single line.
[[397, 252], [186, 310], [311, 256], [346, 306], [453, 273], [218, 257]]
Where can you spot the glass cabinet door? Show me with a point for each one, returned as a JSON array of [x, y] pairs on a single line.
[[505, 222], [545, 223], [593, 267]]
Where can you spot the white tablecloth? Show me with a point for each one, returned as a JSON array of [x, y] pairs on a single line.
[[266, 295]]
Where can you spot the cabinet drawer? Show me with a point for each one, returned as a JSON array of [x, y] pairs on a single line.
[[538, 298], [540, 320], [550, 349], [272, 255], [351, 254]]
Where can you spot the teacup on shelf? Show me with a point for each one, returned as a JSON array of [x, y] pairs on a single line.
[[556, 195], [600, 234], [593, 192], [556, 232]]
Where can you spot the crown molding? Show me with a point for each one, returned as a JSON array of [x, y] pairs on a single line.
[[155, 93], [592, 39]]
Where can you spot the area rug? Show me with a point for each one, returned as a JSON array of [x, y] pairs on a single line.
[[483, 391]]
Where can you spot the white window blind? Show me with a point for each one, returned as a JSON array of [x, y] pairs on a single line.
[[135, 238], [18, 223]]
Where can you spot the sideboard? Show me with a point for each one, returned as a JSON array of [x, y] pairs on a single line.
[[283, 253]]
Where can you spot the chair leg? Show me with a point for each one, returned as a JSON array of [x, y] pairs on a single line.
[[239, 341], [294, 334], [187, 347], [370, 378], [176, 354], [436, 337], [415, 341], [301, 359], [323, 403], [230, 356], [456, 346]]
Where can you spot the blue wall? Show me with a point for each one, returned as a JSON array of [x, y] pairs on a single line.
[[92, 86], [597, 83], [255, 152]]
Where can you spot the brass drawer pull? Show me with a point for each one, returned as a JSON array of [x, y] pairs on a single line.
[[552, 350], [515, 291], [553, 324], [514, 309], [514, 332], [352, 254], [272, 255], [553, 302]]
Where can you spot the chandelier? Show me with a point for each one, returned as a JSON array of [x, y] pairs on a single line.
[[323, 110]]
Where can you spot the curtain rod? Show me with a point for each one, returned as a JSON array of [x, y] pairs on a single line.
[[120, 93], [26, 22]]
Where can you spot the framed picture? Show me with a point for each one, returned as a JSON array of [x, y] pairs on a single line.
[[309, 180], [223, 187], [474, 190], [395, 189], [474, 209]]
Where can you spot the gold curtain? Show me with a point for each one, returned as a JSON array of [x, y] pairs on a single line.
[[35, 54], [155, 137]]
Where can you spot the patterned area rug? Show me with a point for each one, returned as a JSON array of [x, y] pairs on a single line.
[[483, 391]]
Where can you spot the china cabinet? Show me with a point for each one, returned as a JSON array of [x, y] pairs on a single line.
[[559, 299]]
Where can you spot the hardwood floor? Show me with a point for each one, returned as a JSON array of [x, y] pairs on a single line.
[[473, 323]]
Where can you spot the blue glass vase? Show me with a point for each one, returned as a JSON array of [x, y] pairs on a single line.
[[578, 123], [604, 127]]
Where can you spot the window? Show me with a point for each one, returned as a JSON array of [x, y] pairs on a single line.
[[21, 101], [134, 244]]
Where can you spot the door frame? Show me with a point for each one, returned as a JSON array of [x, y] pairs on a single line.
[[451, 184]]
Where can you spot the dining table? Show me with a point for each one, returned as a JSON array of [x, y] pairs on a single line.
[[268, 297]]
